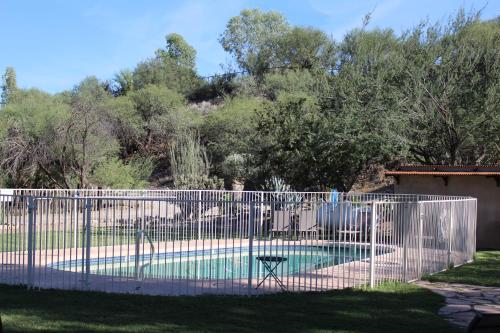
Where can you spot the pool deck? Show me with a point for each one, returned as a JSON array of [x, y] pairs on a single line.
[[388, 266]]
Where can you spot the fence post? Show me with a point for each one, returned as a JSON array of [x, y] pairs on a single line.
[[250, 246], [406, 221], [474, 239], [420, 239], [373, 235], [88, 232], [199, 215], [137, 260], [75, 218], [31, 254], [450, 235]]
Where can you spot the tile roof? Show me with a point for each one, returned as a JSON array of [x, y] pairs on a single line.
[[446, 170], [442, 173]]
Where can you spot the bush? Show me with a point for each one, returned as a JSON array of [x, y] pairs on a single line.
[[190, 166], [234, 168], [113, 173], [230, 129]]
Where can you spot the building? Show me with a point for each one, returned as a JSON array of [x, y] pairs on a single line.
[[481, 182]]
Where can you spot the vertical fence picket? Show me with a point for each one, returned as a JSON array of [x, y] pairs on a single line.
[[373, 234], [88, 244], [251, 223], [31, 250]]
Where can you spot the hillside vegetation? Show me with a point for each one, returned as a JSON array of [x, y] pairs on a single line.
[[310, 110]]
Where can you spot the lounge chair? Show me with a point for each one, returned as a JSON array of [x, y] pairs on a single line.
[[282, 221], [307, 222]]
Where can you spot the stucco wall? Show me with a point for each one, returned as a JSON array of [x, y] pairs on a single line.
[[483, 188]]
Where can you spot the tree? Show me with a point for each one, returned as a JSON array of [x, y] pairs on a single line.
[[287, 140], [230, 129], [263, 41], [253, 39], [313, 147], [89, 140], [235, 169], [31, 147], [162, 115], [123, 83], [126, 124], [452, 84], [158, 72], [177, 52], [9, 85], [309, 110], [306, 48], [147, 121], [173, 67], [314, 83]]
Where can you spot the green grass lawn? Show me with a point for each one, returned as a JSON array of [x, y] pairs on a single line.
[[54, 239], [484, 271], [391, 308]]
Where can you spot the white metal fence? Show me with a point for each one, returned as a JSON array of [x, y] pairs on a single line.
[[171, 242]]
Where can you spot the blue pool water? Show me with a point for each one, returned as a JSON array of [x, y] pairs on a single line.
[[224, 263]]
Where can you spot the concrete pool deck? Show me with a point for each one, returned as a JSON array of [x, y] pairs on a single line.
[[388, 266]]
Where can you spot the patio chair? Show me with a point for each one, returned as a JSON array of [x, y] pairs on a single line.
[[308, 223], [282, 221], [348, 234]]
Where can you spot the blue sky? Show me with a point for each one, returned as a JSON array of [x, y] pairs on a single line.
[[54, 44]]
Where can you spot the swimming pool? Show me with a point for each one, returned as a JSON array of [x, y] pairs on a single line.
[[219, 264]]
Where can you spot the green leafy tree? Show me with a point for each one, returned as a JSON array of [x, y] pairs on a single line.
[[173, 67], [253, 39], [89, 140], [261, 41], [9, 85], [32, 150], [452, 84], [148, 120], [316, 84], [314, 148], [306, 48], [178, 52], [287, 140], [162, 115], [230, 129], [158, 72], [126, 124], [236, 168], [123, 83]]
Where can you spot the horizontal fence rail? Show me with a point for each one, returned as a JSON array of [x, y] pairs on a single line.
[[189, 242]]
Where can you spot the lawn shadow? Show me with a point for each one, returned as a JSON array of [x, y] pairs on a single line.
[[392, 309]]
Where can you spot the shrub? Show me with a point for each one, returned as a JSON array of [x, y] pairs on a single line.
[[113, 173]]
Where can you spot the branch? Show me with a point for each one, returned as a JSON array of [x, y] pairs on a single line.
[[48, 174]]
